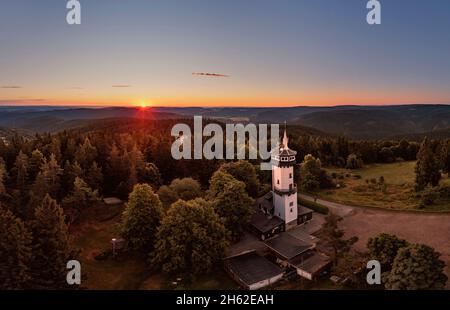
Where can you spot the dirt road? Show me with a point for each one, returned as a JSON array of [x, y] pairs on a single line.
[[427, 228]]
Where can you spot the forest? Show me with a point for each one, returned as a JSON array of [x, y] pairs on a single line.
[[49, 180]]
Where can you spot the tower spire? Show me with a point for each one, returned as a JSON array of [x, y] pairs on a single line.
[[285, 137]]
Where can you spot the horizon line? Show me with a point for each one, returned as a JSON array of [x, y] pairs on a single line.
[[213, 106]]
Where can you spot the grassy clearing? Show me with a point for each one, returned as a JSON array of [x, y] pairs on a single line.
[[92, 236], [361, 187]]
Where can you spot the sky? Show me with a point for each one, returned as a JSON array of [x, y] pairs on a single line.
[[224, 53]]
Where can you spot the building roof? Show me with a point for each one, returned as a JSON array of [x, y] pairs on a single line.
[[252, 268], [112, 201], [263, 223], [288, 246], [303, 210], [312, 262], [265, 201]]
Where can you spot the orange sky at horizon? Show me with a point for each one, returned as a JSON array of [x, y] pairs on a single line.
[[222, 102]]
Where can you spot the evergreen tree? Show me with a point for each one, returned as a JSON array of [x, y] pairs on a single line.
[[353, 162], [86, 154], [427, 167], [51, 247], [48, 179], [445, 157], [332, 238], [20, 170], [69, 174], [3, 175], [35, 164], [15, 251], [191, 239], [94, 176], [141, 218], [81, 196], [417, 267], [150, 174]]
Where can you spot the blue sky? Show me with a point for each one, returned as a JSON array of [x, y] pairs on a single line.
[[275, 52]]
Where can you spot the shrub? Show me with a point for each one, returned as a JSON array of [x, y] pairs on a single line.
[[313, 206], [429, 195]]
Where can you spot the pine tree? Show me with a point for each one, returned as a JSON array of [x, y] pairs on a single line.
[[191, 239], [3, 175], [141, 218], [81, 196], [332, 238], [445, 157], [15, 251], [427, 167], [150, 174], [51, 247], [35, 163], [48, 179], [86, 154], [94, 176], [69, 174], [21, 170]]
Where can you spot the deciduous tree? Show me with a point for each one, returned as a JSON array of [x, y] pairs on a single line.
[[384, 248], [235, 206], [192, 239], [141, 218], [417, 267], [244, 171]]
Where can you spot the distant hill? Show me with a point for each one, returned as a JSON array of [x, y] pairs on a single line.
[[437, 134], [32, 119], [357, 122], [381, 122]]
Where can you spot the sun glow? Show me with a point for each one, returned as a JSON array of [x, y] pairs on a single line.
[[144, 104]]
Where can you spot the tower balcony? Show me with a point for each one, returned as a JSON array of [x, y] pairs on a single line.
[[286, 191]]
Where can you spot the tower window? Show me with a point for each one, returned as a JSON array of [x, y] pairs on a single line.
[[291, 210], [291, 204], [278, 181], [290, 175]]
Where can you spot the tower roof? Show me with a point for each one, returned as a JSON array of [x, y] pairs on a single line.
[[285, 137], [283, 147]]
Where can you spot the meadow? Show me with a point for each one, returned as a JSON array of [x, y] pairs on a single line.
[[388, 186], [92, 235]]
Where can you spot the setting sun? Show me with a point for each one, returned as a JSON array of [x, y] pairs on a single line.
[[144, 104]]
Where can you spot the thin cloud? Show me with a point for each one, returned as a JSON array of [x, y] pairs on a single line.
[[208, 74], [121, 86], [11, 87], [75, 87], [23, 101]]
